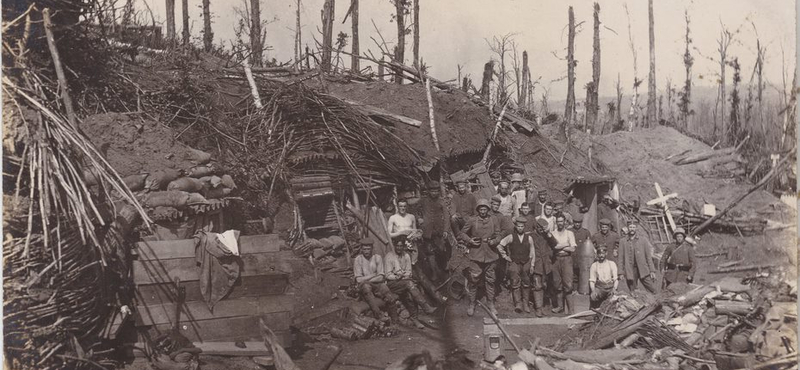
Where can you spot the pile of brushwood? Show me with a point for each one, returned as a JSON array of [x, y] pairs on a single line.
[[733, 323], [63, 236]]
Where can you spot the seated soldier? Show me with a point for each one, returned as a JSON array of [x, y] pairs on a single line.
[[602, 278], [399, 274], [369, 274]]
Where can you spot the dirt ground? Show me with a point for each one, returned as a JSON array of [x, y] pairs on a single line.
[[136, 145]]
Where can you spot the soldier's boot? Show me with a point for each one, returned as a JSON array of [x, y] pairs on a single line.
[[421, 301], [538, 302], [517, 301], [490, 305], [558, 305], [569, 301], [394, 311], [525, 296]]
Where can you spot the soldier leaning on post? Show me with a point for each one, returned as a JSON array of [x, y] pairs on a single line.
[[678, 260]]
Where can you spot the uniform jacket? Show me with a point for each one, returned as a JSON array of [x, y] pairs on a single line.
[[682, 254], [635, 253], [485, 229], [544, 253]]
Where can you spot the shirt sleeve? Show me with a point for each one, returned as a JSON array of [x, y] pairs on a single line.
[[358, 272], [390, 267], [380, 266], [571, 239], [613, 270], [501, 248], [692, 261]]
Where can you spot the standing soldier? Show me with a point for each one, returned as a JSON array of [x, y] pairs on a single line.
[[581, 261], [518, 193], [506, 203], [562, 266], [463, 206], [548, 217], [481, 236], [608, 238], [636, 260], [517, 248], [434, 251], [678, 260], [544, 242], [504, 223], [541, 201]]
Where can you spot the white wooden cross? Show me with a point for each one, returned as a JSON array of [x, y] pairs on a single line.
[[662, 199]]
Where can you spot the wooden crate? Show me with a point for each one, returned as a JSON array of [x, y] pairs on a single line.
[[258, 293]]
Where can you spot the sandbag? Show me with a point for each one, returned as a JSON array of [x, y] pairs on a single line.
[[198, 156], [227, 181], [135, 182], [188, 184], [172, 198], [204, 170], [159, 180], [211, 181], [196, 198], [217, 193]]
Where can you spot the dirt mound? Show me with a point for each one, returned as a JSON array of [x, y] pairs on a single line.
[[639, 159], [133, 145], [461, 125]]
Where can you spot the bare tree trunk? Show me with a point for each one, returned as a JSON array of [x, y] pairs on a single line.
[[185, 17], [127, 12], [686, 94], [355, 62], [618, 113], [569, 109], [633, 114], [593, 109], [488, 69], [400, 49], [465, 84], [416, 34], [208, 35], [327, 34], [256, 49], [380, 69], [651, 79], [298, 43], [526, 80], [171, 21], [725, 39]]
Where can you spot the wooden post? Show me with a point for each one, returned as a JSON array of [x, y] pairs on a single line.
[[208, 35], [355, 66], [569, 107], [651, 78], [185, 17], [170, 21], [400, 50], [488, 70], [593, 105], [416, 34], [256, 49], [327, 33], [62, 80]]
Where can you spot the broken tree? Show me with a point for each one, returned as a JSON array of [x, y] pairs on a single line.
[[651, 78], [569, 108], [208, 35], [592, 101]]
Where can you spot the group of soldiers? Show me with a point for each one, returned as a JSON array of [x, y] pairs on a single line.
[[525, 237]]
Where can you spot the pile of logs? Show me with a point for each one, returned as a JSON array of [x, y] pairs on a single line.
[[723, 163]]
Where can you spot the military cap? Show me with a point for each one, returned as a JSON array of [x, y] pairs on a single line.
[[577, 217], [517, 177], [542, 222], [482, 203], [497, 198], [366, 241], [679, 230], [633, 221], [433, 185], [542, 192], [605, 221], [520, 219]]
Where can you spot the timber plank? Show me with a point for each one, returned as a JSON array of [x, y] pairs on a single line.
[[185, 248], [187, 269], [233, 329], [254, 348], [537, 321], [268, 284], [164, 313]]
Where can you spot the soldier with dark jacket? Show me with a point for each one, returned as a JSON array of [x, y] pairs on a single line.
[[636, 260], [434, 250], [608, 238], [481, 236], [463, 206], [678, 260], [504, 224], [517, 248], [543, 242]]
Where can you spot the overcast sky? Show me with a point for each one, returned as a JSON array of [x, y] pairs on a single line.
[[453, 33]]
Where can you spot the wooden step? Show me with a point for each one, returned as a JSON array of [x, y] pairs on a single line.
[[269, 284], [252, 348], [223, 330]]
